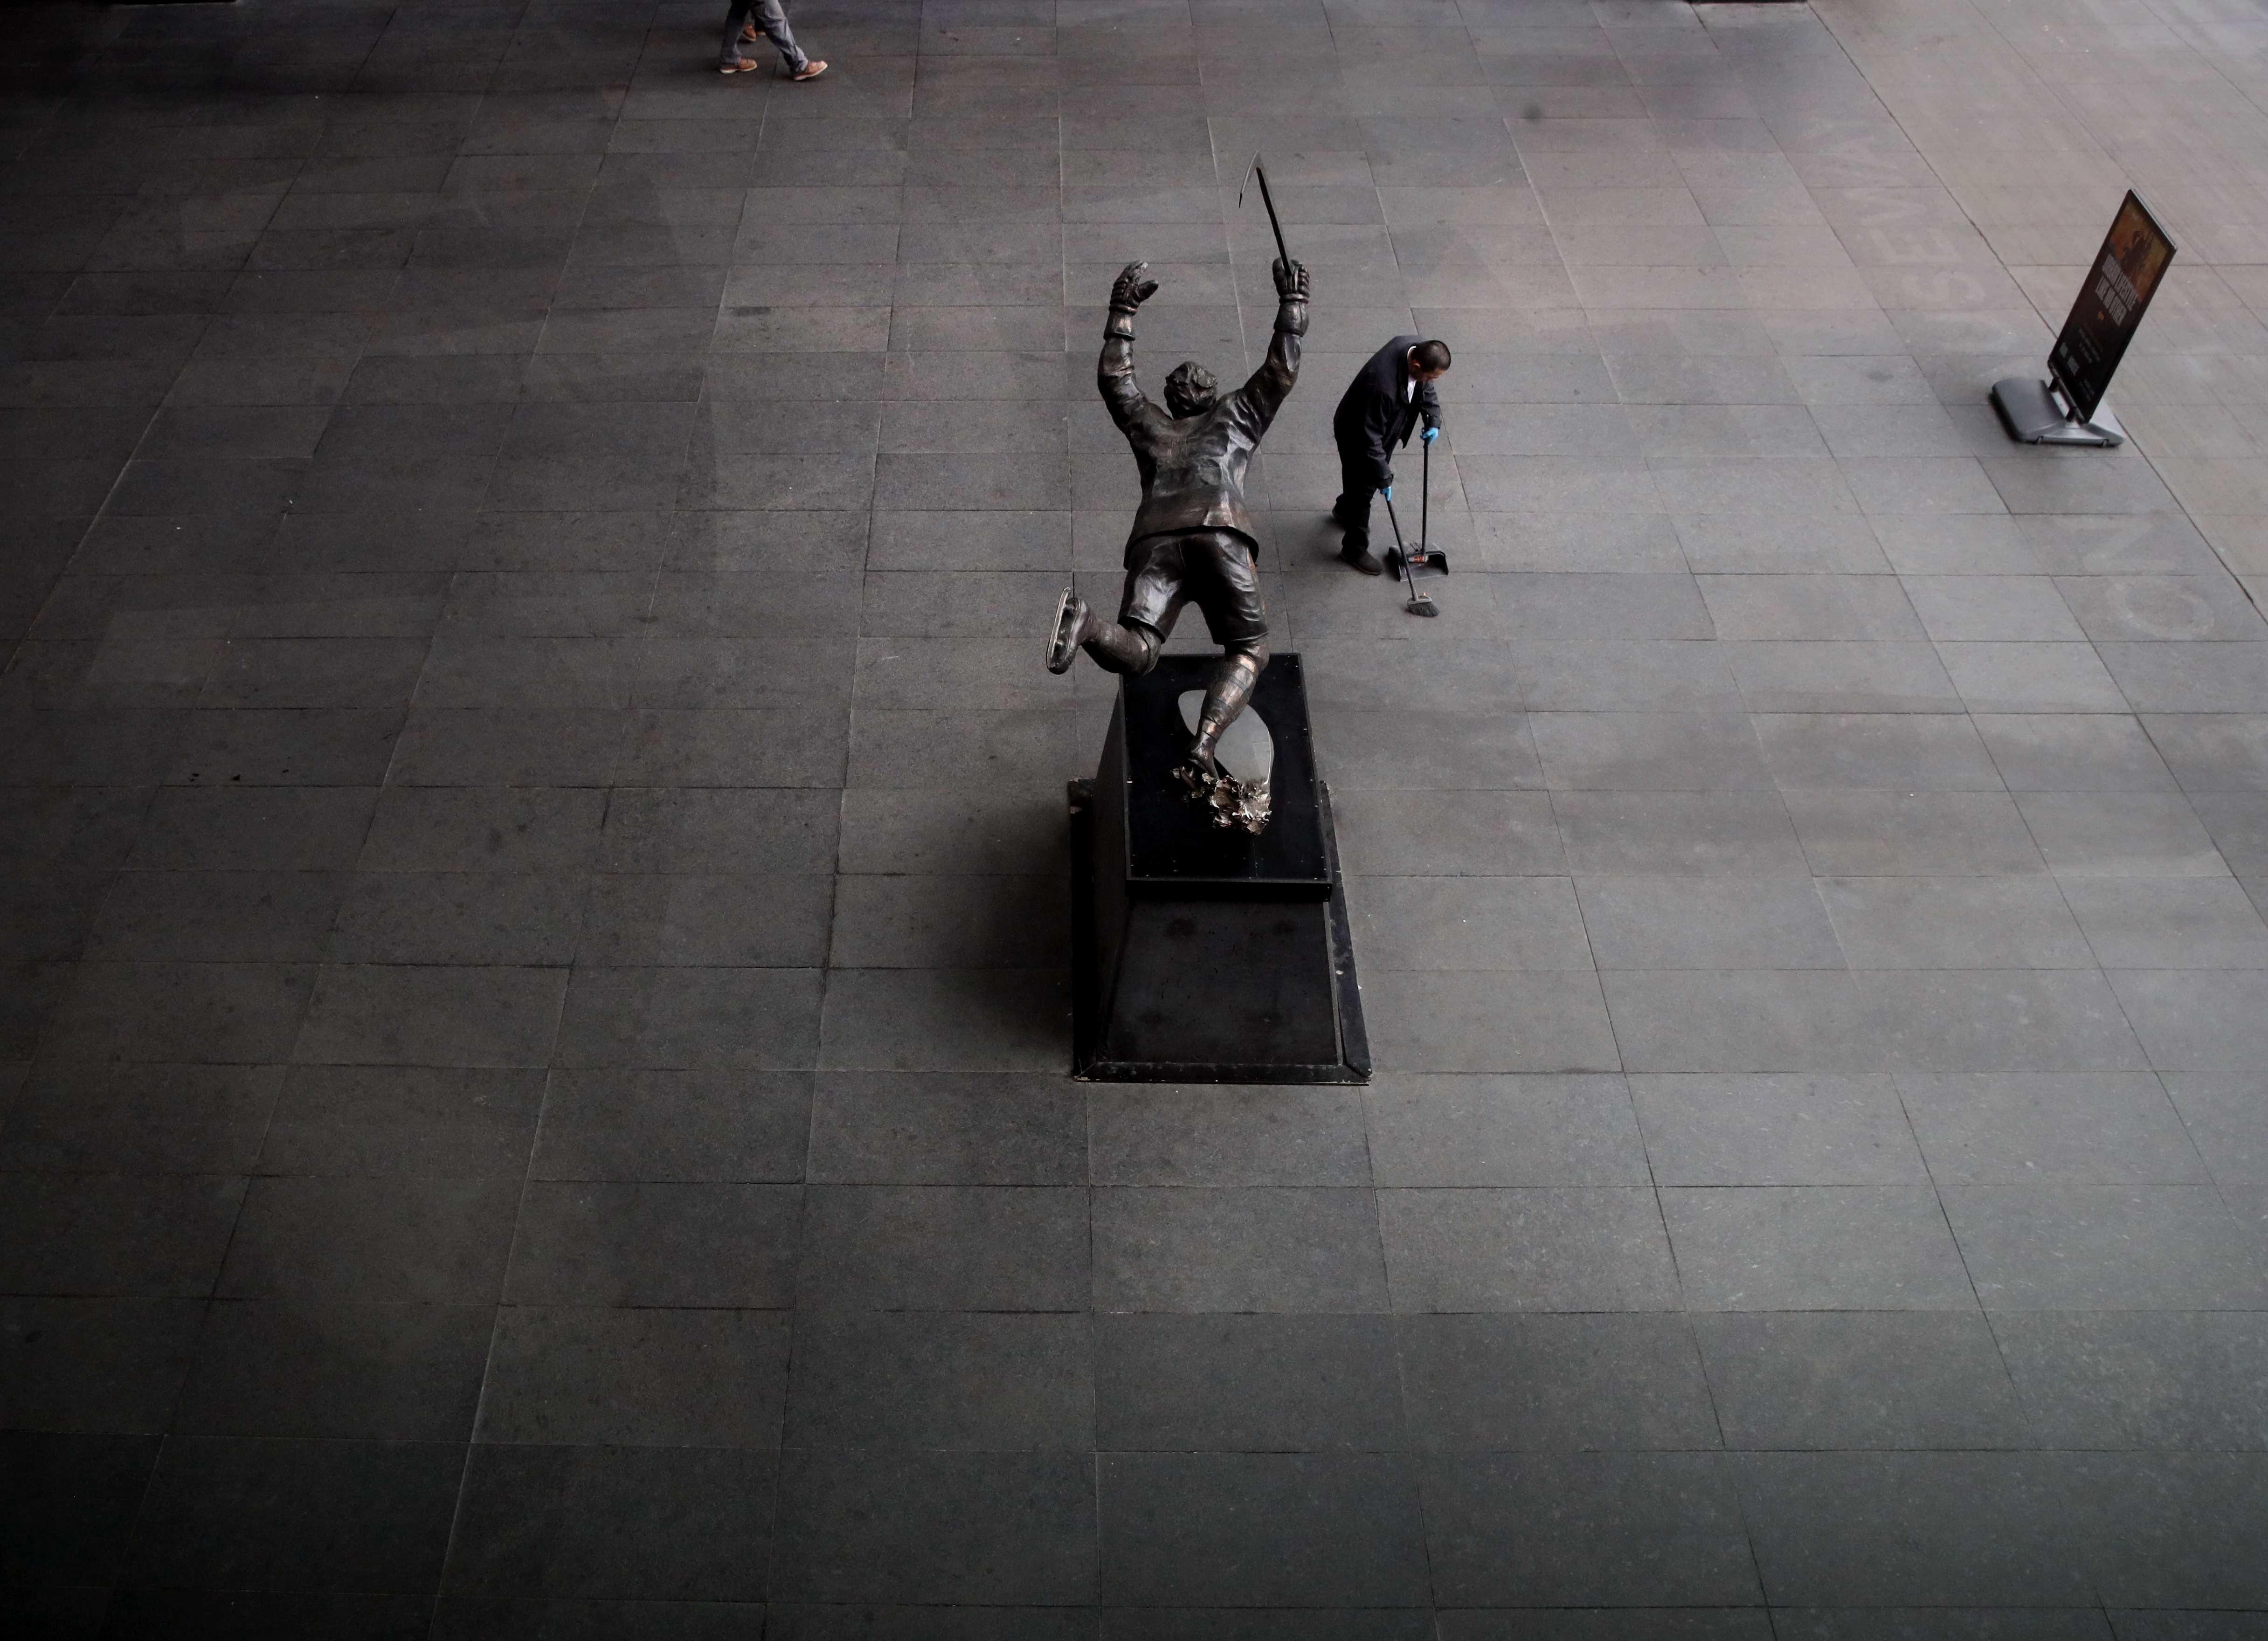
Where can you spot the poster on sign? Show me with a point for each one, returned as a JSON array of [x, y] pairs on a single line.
[[2068, 409], [2125, 277]]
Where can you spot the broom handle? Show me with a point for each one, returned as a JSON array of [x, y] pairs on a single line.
[[1425, 489]]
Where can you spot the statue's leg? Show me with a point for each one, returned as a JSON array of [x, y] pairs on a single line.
[[1130, 647], [1229, 593], [1151, 600], [1226, 695], [1128, 650]]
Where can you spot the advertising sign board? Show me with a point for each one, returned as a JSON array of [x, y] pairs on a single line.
[[2122, 278]]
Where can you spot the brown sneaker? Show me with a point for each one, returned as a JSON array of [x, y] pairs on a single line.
[[812, 69]]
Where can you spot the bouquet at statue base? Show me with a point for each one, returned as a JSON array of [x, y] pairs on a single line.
[[1233, 803]]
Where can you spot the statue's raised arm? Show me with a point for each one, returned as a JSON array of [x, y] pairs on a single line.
[[1114, 372], [1272, 384]]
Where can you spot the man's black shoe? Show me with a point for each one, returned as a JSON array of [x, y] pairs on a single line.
[[1361, 558]]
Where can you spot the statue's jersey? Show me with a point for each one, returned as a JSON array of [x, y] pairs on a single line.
[[1193, 469]]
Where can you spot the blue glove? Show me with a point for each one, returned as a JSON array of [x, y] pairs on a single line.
[[1388, 492], [1432, 433]]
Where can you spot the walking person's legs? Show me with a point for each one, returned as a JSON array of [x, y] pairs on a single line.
[[747, 18], [771, 16], [735, 20]]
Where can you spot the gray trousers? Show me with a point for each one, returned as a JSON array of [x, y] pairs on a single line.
[[772, 18]]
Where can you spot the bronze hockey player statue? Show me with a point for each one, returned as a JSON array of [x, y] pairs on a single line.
[[1192, 541]]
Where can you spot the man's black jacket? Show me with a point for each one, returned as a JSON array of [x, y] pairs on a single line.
[[1373, 417]]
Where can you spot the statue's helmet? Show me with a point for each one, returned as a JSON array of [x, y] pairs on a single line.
[[1191, 390]]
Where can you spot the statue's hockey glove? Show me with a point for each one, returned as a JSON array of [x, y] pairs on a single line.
[[1127, 292], [1291, 297], [1131, 291]]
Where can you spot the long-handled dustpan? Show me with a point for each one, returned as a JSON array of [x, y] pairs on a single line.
[[1425, 556]]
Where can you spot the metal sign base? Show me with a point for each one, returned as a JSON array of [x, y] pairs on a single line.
[[2035, 413]]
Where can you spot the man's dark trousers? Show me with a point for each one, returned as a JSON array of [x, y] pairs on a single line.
[[1358, 483], [1377, 412]]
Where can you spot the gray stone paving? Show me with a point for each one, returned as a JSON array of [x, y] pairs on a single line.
[[535, 1016]]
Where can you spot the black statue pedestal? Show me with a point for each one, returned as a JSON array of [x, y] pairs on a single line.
[[1201, 953]]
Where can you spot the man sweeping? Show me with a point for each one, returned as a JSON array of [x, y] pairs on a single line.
[[1390, 396], [1192, 542]]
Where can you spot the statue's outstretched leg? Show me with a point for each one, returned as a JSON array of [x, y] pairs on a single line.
[[1130, 650], [1225, 696]]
